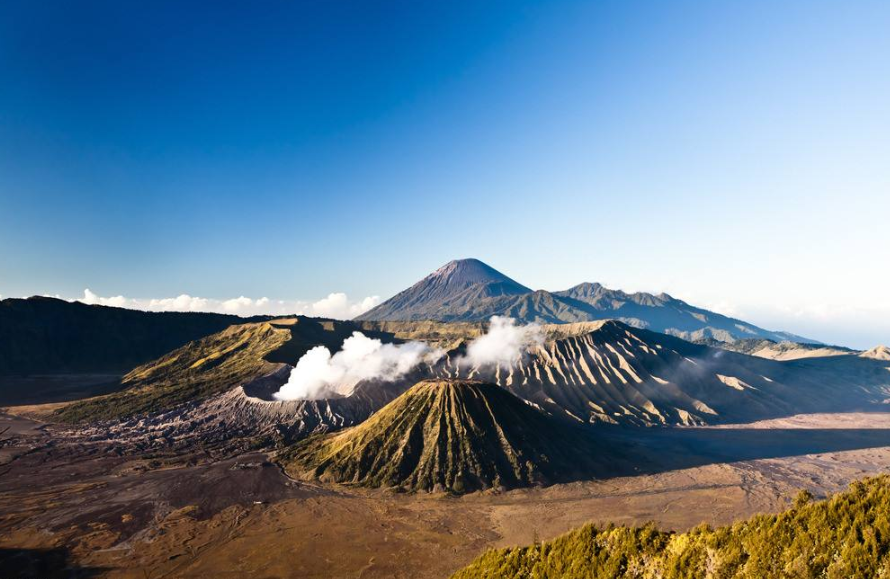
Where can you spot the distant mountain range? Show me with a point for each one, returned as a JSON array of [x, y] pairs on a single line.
[[468, 290]]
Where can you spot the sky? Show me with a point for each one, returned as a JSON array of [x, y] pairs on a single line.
[[324, 155]]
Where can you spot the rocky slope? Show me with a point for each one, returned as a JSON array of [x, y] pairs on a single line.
[[613, 373], [763, 348], [468, 290], [877, 353], [191, 373], [237, 420], [446, 435], [213, 365]]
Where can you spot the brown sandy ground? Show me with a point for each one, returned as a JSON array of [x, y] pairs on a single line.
[[72, 506]]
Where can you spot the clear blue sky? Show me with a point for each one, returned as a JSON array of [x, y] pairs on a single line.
[[735, 154]]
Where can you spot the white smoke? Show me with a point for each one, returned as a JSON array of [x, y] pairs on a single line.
[[318, 374], [503, 345]]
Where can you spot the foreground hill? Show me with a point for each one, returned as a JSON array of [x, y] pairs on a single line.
[[456, 436], [46, 335], [845, 536], [468, 290]]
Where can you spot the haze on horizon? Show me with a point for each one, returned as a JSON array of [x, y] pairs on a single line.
[[733, 155]]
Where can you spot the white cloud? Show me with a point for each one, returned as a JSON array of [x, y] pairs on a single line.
[[181, 303], [336, 305], [91, 298], [238, 304]]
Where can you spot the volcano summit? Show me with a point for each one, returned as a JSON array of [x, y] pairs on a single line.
[[467, 290], [456, 436]]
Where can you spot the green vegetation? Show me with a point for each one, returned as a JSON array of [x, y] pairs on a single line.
[[844, 537], [454, 436], [195, 371]]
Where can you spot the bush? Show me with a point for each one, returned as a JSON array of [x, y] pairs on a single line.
[[846, 536]]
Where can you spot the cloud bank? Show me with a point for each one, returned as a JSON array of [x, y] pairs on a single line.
[[336, 305]]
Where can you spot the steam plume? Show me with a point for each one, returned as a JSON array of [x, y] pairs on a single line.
[[318, 374], [503, 345]]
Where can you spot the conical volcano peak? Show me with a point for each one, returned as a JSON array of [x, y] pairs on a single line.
[[471, 271], [456, 384], [444, 393], [451, 435], [456, 285]]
